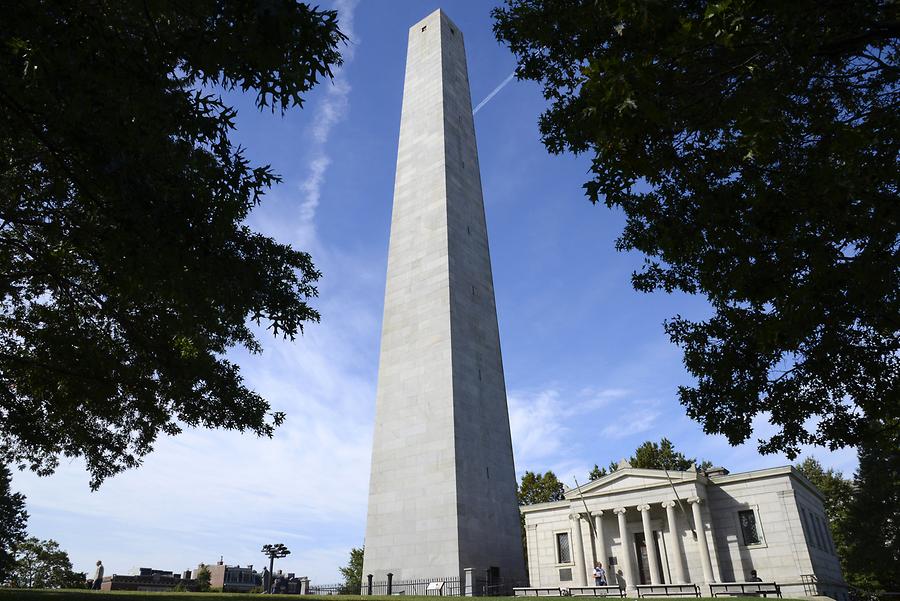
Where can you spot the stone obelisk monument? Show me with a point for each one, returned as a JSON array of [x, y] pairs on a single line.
[[442, 494]]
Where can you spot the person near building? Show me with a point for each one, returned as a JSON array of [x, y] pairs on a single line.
[[754, 577], [599, 575], [98, 576]]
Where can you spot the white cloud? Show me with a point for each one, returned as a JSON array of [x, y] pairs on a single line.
[[555, 431], [538, 425], [635, 418], [330, 111]]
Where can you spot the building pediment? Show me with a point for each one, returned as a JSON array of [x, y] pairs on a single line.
[[630, 478]]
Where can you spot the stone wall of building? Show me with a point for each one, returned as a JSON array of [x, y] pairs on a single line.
[[781, 554]]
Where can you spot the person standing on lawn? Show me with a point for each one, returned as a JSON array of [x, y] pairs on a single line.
[[98, 576]]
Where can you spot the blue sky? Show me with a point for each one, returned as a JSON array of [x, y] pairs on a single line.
[[590, 373]]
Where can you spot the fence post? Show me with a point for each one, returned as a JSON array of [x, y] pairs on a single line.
[[390, 576], [469, 584], [369, 585]]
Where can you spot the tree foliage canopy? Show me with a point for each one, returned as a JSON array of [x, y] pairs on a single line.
[[126, 271], [13, 520], [871, 531], [540, 488], [663, 456], [203, 578], [654, 456], [753, 147], [597, 472], [353, 572], [42, 564]]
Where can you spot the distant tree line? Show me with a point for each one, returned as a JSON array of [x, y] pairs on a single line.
[[28, 562]]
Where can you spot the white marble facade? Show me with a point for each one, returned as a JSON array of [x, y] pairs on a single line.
[[707, 527]]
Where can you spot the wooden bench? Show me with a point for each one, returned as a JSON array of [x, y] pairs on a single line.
[[745, 588], [537, 591], [607, 590], [667, 590]]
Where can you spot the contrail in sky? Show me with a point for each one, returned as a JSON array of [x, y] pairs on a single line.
[[494, 93]]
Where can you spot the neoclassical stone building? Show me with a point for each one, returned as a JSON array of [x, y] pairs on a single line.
[[702, 528]]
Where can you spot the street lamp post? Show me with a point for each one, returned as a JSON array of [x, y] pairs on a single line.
[[273, 551]]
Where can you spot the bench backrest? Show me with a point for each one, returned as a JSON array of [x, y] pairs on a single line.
[[746, 586], [530, 591], [591, 591]]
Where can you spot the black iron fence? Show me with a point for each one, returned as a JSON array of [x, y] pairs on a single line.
[[481, 586], [451, 588], [448, 586]]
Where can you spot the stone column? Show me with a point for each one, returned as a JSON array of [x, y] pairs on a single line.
[[600, 544], [702, 545], [675, 560], [577, 550], [650, 541], [626, 548], [469, 582]]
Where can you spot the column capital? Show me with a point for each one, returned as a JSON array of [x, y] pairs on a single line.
[[619, 510], [574, 516], [667, 504], [597, 513], [644, 507], [694, 500]]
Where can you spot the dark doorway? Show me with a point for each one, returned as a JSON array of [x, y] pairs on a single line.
[[643, 559]]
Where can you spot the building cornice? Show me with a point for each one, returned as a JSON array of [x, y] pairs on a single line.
[[544, 506], [595, 489], [784, 470]]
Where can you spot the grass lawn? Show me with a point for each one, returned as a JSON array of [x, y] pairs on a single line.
[[7, 594]]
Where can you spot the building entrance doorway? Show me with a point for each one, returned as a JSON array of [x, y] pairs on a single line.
[[643, 559]]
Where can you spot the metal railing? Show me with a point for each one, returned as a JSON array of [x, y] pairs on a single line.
[[419, 586], [810, 584], [453, 587], [330, 589]]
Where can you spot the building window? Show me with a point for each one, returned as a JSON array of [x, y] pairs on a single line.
[[805, 523], [823, 527], [563, 551], [815, 530], [811, 528], [748, 527]]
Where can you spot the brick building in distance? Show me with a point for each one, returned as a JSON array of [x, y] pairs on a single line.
[[149, 580], [232, 579]]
